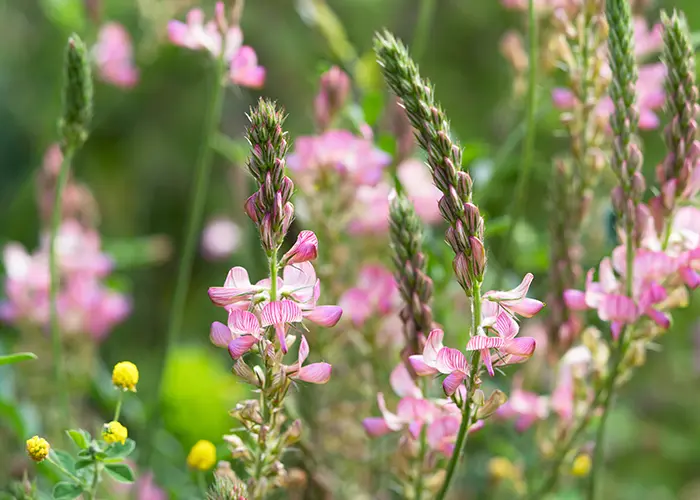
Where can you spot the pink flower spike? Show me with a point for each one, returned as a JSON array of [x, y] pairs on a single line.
[[241, 345], [315, 373], [327, 316], [375, 426], [245, 70], [220, 335], [420, 366], [279, 314], [304, 249], [403, 384]]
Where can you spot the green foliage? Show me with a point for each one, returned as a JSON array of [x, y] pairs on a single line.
[[120, 472], [66, 491], [16, 358]]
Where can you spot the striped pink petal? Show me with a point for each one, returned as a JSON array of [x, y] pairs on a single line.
[[486, 357], [243, 322], [237, 287], [522, 348], [526, 307], [450, 360], [420, 366], [219, 334], [315, 373], [303, 351], [280, 313], [506, 326], [479, 342], [575, 300], [453, 381], [515, 294], [432, 347], [241, 345]]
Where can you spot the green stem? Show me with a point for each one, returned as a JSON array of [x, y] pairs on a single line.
[[422, 30], [420, 460], [529, 143], [618, 355], [118, 409], [196, 211], [95, 481], [58, 366], [65, 471], [202, 483], [467, 406], [273, 275]]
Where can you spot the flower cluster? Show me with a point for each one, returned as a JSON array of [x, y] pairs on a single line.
[[222, 40], [85, 304], [262, 316]]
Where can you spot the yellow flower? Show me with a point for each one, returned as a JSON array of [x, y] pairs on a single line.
[[114, 432], [502, 468], [581, 466], [38, 448], [125, 376], [202, 456]]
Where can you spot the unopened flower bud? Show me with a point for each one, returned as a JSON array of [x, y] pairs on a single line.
[[493, 403], [77, 94], [331, 98], [293, 433]]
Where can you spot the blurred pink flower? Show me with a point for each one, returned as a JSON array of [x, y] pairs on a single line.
[[216, 36], [114, 56], [220, 239], [375, 295], [85, 305], [354, 158]]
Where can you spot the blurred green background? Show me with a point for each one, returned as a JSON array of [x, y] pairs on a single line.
[[140, 155]]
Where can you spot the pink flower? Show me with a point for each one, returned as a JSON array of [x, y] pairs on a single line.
[[279, 314], [315, 373], [220, 239], [244, 69], [515, 301], [216, 36], [353, 158], [437, 358], [241, 334], [114, 56], [376, 294], [305, 249], [525, 407], [299, 284]]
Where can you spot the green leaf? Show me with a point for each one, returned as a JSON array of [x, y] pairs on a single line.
[[120, 472], [118, 450], [66, 491], [372, 106], [80, 437], [16, 358], [82, 463], [695, 39], [64, 458], [128, 253]]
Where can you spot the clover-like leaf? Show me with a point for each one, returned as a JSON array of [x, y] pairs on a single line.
[[120, 472], [119, 450], [80, 437], [66, 491]]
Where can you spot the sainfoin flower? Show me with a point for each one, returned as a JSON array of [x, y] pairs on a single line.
[[114, 56], [217, 36], [441, 417], [85, 305]]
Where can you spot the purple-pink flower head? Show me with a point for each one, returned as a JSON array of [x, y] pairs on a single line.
[[114, 56], [219, 39], [354, 158], [375, 295], [305, 249], [298, 284]]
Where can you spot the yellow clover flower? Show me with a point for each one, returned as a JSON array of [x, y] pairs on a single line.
[[125, 376], [114, 432], [38, 448], [581, 466], [202, 456]]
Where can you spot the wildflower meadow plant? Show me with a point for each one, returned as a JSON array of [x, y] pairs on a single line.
[[379, 314]]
